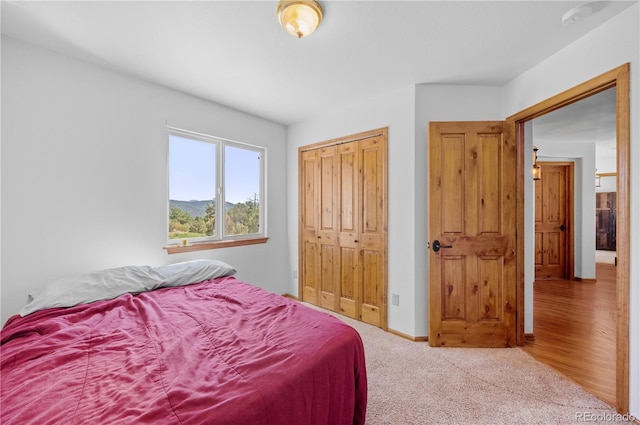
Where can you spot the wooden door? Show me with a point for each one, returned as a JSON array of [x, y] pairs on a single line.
[[472, 214], [606, 221], [372, 236], [319, 227], [350, 293], [309, 224], [552, 204], [328, 229], [343, 225], [363, 229]]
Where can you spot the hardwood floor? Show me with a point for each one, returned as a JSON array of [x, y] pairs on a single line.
[[574, 325]]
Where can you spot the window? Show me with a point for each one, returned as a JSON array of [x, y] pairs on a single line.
[[216, 189]]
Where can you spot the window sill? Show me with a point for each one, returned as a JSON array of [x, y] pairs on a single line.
[[201, 246]]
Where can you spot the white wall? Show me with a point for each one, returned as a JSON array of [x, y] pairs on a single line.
[[607, 184], [84, 173], [395, 111], [606, 164], [612, 44]]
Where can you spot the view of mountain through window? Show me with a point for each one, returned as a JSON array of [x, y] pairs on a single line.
[[211, 175]]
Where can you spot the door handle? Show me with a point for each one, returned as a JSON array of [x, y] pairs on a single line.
[[562, 227], [437, 246]]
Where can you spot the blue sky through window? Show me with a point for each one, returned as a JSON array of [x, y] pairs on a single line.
[[192, 171], [242, 174]]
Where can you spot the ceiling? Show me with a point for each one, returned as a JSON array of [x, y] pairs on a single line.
[[236, 54], [591, 120]]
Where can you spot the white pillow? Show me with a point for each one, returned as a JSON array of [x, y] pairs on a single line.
[[195, 271], [100, 285]]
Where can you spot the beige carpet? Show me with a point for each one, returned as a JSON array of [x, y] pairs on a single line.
[[412, 383]]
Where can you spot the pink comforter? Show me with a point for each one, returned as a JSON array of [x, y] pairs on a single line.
[[216, 352]]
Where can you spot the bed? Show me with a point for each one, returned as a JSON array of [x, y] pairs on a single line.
[[175, 348]]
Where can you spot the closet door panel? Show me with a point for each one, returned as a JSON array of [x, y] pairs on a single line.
[[370, 310], [372, 237], [309, 221], [328, 232], [349, 286], [349, 207]]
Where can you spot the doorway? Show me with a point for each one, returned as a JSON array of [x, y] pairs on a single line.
[[618, 78]]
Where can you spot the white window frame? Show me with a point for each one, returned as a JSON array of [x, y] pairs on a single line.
[[220, 197]]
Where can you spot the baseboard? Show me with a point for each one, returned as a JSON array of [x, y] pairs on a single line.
[[409, 337], [391, 331], [529, 337], [584, 280]]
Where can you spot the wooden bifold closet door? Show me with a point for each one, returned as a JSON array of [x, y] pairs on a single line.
[[343, 226]]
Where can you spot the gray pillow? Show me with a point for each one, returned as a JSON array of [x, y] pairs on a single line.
[[100, 285], [111, 283], [194, 271]]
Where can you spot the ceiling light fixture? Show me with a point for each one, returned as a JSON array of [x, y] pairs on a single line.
[[299, 17], [577, 14]]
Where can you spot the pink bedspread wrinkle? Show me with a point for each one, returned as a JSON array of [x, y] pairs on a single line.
[[216, 352]]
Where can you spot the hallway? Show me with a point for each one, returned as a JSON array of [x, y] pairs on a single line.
[[574, 324]]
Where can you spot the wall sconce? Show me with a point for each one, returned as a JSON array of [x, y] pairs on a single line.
[[299, 17], [537, 169]]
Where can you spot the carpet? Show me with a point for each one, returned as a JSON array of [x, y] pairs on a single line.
[[412, 383]]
